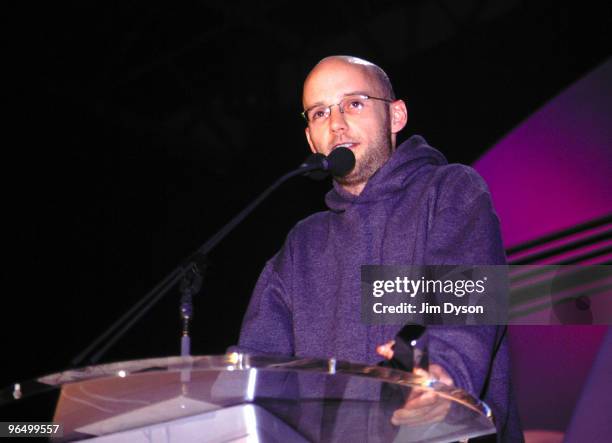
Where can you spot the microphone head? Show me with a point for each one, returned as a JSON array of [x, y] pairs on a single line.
[[341, 161]]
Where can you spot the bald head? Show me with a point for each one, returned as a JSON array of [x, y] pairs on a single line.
[[368, 128], [378, 78]]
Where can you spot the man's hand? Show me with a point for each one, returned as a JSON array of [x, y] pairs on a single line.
[[386, 350], [423, 405]]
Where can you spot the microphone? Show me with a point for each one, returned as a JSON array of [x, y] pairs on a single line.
[[405, 349], [340, 162]]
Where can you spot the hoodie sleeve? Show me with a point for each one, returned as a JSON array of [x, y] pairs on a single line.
[[464, 229], [267, 324]]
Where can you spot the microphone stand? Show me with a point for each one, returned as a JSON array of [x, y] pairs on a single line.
[[190, 272]]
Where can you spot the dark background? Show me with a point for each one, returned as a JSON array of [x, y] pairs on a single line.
[[136, 130]]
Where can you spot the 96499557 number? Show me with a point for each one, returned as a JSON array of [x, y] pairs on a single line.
[[30, 429]]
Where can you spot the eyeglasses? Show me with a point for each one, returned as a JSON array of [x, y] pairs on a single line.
[[351, 104]]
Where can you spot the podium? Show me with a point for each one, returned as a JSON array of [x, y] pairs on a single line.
[[250, 398]]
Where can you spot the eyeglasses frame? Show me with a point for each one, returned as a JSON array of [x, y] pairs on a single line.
[[363, 96]]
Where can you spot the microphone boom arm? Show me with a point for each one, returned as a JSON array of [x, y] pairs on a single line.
[[135, 313]]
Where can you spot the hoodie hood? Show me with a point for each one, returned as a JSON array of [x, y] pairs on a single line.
[[392, 177]]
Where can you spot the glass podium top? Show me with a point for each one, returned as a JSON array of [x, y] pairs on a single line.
[[245, 397]]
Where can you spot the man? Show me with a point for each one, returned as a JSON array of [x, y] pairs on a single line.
[[399, 206]]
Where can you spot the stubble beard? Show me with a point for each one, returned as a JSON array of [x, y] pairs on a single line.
[[373, 159]]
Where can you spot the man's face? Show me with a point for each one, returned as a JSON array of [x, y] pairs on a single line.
[[368, 133]]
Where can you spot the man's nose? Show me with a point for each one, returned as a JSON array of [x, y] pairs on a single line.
[[336, 119]]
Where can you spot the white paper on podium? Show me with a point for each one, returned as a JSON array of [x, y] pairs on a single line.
[[161, 412], [247, 423]]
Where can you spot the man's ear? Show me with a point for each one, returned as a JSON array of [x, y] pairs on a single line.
[[399, 116], [312, 148]]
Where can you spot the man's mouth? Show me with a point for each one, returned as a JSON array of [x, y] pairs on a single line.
[[348, 145]]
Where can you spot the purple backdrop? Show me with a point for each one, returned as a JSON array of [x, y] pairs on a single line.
[[552, 172]]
